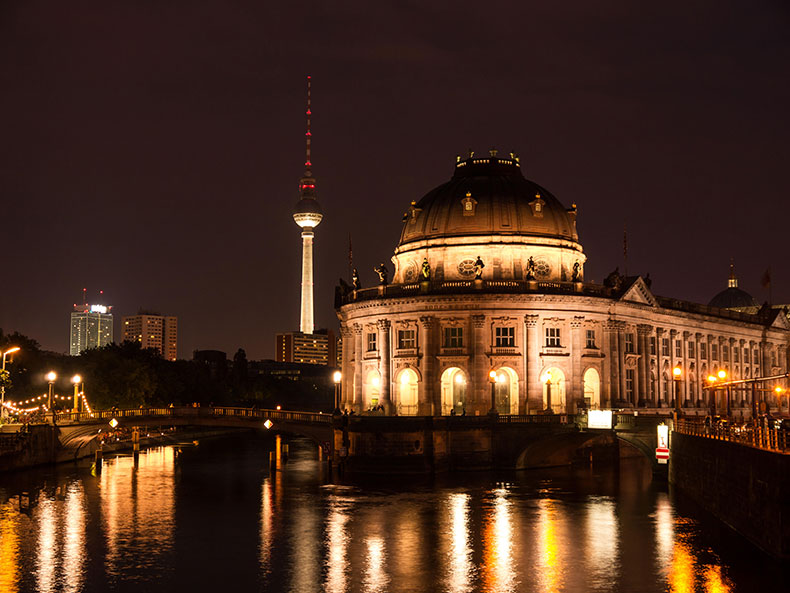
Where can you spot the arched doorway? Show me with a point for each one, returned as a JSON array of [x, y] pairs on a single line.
[[372, 389], [592, 389], [454, 384], [506, 391], [553, 380], [407, 392]]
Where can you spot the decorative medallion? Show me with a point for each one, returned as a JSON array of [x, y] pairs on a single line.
[[542, 268], [410, 272], [467, 268]]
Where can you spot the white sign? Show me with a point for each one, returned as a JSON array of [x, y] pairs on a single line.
[[662, 435], [98, 309], [599, 419]]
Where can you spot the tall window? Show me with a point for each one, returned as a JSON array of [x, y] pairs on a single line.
[[773, 357], [746, 355], [629, 343], [678, 349], [590, 341], [505, 337], [703, 351], [652, 345], [453, 337], [714, 352], [664, 346], [736, 354], [756, 357], [691, 348], [629, 384], [371, 340], [407, 339], [553, 337], [725, 353]]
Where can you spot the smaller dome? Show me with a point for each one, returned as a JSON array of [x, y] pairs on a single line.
[[733, 298]]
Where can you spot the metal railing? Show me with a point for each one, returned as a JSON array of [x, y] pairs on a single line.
[[206, 412], [760, 434]]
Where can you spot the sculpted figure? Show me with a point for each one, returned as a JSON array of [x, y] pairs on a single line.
[[355, 280], [426, 269], [383, 273], [531, 269], [479, 265], [576, 274]]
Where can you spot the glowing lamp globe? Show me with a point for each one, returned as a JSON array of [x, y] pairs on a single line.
[[307, 213]]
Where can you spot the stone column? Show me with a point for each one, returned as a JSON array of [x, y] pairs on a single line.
[[385, 365], [643, 332], [661, 398], [532, 380], [685, 402], [674, 386], [621, 360], [481, 400], [609, 383], [347, 367], [576, 390], [430, 395], [357, 401], [701, 378]]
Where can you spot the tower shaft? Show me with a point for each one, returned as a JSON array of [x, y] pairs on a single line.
[[307, 324]]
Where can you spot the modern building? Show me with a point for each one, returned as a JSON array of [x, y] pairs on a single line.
[[152, 330], [488, 310], [319, 347], [91, 327]]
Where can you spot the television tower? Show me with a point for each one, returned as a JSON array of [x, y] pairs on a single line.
[[307, 214]]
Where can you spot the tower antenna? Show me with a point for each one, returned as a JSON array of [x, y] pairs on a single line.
[[308, 165]]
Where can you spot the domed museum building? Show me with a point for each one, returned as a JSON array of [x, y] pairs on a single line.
[[487, 304]]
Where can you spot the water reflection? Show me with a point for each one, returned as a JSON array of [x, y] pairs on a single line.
[[267, 535], [47, 552], [337, 540], [74, 538], [9, 548], [460, 569], [498, 574], [138, 509], [602, 549], [551, 570], [375, 575]]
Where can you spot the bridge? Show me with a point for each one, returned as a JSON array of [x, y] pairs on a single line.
[[408, 444]]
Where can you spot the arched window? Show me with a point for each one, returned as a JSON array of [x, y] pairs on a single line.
[[407, 392], [553, 380], [454, 384], [372, 389], [506, 391], [592, 389]]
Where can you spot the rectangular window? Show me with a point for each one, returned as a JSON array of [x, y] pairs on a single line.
[[407, 339], [678, 349], [453, 337], [773, 357], [756, 357], [371, 342], [736, 354], [725, 353], [629, 384], [664, 346], [714, 352], [505, 337], [653, 345], [629, 343], [590, 341], [746, 355], [553, 337], [691, 349], [703, 351]]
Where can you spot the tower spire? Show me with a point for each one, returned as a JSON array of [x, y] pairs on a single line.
[[732, 281], [308, 165]]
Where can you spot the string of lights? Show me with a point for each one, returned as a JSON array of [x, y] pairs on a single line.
[[17, 408]]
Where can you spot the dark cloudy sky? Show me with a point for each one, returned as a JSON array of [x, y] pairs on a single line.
[[153, 148]]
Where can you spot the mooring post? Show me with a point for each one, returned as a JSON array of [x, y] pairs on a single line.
[[136, 444], [98, 460]]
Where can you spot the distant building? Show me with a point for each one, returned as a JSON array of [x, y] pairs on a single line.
[[91, 327], [319, 347], [152, 330], [215, 361]]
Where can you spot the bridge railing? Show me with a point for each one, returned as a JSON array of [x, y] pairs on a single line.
[[759, 434], [533, 419], [180, 412]]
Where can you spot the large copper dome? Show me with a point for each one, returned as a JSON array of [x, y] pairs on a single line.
[[488, 196]]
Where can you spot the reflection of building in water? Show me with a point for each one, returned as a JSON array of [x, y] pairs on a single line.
[[9, 548], [459, 566], [138, 512], [497, 571], [551, 573], [337, 538], [555, 341], [602, 543]]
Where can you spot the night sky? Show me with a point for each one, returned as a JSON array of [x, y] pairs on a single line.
[[153, 149]]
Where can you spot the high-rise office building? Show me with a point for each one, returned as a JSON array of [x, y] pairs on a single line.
[[152, 330], [319, 347], [91, 327]]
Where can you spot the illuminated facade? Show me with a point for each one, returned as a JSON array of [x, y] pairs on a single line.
[[91, 327], [316, 348], [489, 278], [152, 331]]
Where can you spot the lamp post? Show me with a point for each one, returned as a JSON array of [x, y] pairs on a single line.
[[51, 376], [677, 375], [547, 380], [2, 387], [492, 377], [76, 379], [336, 377], [722, 375]]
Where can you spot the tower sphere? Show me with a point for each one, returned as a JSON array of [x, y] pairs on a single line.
[[307, 212]]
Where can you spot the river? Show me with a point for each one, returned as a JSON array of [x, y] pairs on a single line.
[[210, 516]]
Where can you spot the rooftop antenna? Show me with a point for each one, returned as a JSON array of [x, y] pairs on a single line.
[[308, 136], [732, 281], [84, 296]]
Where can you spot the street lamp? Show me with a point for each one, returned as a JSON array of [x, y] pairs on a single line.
[[677, 375], [779, 391], [336, 377], [722, 374], [2, 387], [76, 379], [493, 378], [51, 376], [547, 380]]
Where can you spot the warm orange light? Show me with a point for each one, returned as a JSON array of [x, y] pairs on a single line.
[[778, 390], [10, 350], [76, 379], [677, 371], [337, 376], [51, 376], [492, 376], [711, 379], [722, 374]]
